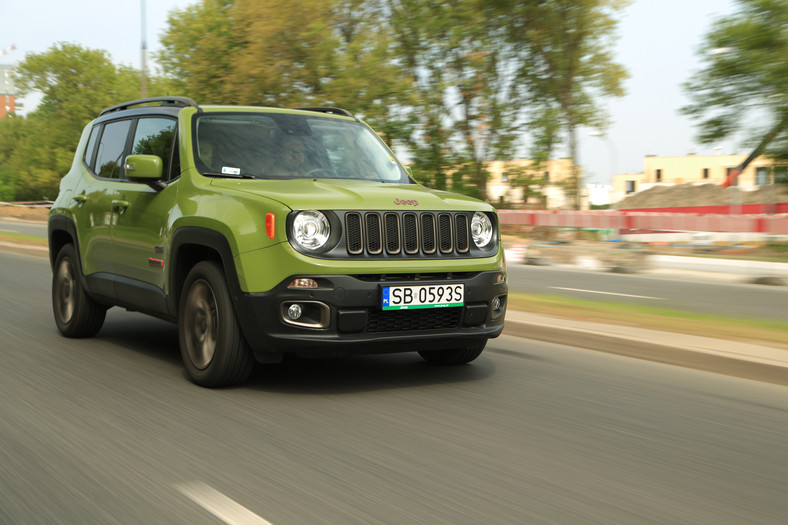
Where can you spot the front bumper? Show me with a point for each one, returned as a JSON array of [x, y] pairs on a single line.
[[343, 316]]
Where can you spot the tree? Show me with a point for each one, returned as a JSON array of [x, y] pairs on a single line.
[[566, 65], [453, 80], [198, 50], [466, 95], [304, 53], [741, 86], [76, 84]]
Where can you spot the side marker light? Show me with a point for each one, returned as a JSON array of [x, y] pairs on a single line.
[[270, 225], [303, 283]]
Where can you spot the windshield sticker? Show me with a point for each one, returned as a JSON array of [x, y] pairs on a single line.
[[230, 171]]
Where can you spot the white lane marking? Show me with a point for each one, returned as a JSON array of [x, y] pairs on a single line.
[[219, 505], [608, 293]]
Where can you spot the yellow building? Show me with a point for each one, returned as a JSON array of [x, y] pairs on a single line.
[[697, 169], [549, 187]]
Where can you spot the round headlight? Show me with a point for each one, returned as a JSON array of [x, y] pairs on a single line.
[[310, 229], [481, 229]]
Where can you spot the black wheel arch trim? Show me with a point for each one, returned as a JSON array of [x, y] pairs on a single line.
[[199, 238], [62, 224], [56, 224]]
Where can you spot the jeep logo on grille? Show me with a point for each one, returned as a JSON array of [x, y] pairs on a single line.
[[406, 203]]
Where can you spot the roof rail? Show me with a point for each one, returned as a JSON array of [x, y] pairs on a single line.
[[331, 111], [165, 101]]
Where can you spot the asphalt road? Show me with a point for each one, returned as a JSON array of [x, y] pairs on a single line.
[[38, 229], [680, 293], [109, 430]]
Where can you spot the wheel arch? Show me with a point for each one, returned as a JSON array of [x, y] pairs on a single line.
[[61, 230], [190, 245]]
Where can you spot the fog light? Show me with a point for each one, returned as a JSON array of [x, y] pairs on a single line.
[[498, 306], [294, 312]]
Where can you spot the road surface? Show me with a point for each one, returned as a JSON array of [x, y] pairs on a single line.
[[679, 293], [37, 229], [109, 430]]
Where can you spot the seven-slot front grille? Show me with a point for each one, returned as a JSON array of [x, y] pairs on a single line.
[[407, 233]]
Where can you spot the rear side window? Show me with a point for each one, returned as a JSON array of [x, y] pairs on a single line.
[[109, 159], [153, 136], [90, 150]]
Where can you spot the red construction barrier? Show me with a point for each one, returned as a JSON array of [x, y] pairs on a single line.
[[736, 209], [648, 221]]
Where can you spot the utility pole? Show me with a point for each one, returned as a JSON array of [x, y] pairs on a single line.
[[144, 82]]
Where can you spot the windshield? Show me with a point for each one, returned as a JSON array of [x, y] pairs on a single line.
[[287, 146]]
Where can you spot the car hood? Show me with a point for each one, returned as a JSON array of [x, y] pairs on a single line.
[[345, 194]]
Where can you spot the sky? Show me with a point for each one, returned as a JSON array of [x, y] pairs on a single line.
[[657, 44]]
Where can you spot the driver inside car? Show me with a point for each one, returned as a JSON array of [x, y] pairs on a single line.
[[292, 157]]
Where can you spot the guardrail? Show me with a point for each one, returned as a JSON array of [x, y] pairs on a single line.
[[28, 204]]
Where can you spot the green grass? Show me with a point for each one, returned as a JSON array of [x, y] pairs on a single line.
[[22, 238], [771, 333]]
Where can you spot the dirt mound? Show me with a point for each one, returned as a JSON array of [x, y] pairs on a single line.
[[25, 213], [702, 195]]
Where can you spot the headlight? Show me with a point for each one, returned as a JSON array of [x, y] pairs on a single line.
[[310, 230], [481, 229]]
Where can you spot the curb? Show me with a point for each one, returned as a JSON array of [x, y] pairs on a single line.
[[25, 249], [764, 368]]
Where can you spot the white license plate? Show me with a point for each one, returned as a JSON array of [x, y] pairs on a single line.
[[423, 296]]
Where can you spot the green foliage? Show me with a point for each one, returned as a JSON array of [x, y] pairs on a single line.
[[741, 86], [455, 84], [467, 97], [565, 64], [530, 178], [7, 193], [303, 53], [76, 84]]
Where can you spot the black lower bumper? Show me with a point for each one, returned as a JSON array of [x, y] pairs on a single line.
[[343, 315]]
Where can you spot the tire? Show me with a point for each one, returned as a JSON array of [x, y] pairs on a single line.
[[213, 348], [453, 356], [76, 314]]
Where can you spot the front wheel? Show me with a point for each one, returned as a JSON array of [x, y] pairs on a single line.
[[76, 314], [453, 356], [213, 348]]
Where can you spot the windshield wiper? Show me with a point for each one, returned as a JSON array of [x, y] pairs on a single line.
[[228, 175]]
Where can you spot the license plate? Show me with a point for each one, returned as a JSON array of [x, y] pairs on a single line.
[[423, 296]]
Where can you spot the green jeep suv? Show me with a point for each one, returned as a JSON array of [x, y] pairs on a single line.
[[263, 232]]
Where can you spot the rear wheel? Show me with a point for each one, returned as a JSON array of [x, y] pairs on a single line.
[[76, 314], [213, 348], [453, 356]]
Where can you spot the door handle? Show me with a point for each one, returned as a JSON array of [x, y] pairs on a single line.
[[120, 206]]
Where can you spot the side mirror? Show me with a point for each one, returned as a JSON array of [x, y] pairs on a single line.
[[146, 169]]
